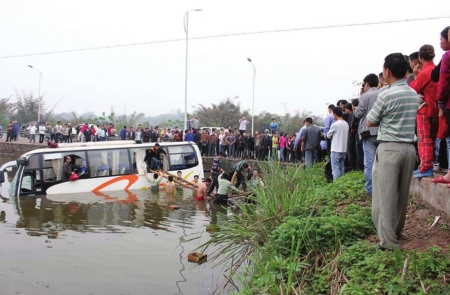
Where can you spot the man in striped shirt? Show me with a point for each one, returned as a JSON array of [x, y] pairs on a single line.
[[394, 113]]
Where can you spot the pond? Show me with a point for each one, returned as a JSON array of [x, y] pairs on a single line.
[[121, 243]]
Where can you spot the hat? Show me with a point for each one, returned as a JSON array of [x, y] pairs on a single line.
[[266, 131]]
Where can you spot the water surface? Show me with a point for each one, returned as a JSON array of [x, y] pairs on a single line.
[[121, 243]]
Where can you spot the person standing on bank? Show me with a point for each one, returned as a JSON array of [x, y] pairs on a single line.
[[310, 142], [243, 125], [368, 135], [443, 96], [41, 132], [339, 138], [394, 112], [428, 112], [273, 125]]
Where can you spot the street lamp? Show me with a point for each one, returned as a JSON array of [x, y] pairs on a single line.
[[39, 95], [186, 29], [253, 105]]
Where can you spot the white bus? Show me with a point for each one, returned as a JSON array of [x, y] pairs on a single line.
[[101, 166]]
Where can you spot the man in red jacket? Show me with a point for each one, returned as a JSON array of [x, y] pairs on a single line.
[[427, 114]]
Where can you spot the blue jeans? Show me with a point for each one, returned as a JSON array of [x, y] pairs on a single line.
[[437, 146], [282, 154], [231, 150], [370, 145], [224, 149], [337, 164], [448, 151], [310, 158], [155, 164]]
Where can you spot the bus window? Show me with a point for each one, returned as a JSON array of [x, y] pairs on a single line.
[[119, 162], [52, 166], [28, 183], [98, 163], [78, 160], [182, 157], [31, 177], [33, 162], [137, 156]]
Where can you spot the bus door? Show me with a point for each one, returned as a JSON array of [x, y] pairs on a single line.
[[30, 177], [4, 181]]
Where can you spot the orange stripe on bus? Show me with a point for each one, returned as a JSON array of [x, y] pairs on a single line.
[[132, 178]]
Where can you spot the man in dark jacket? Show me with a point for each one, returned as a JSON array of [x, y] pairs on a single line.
[[310, 142], [351, 141], [266, 144], [153, 157], [123, 133]]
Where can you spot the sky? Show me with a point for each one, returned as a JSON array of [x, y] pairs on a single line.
[[295, 70]]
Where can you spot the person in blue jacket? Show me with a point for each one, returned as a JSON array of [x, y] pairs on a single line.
[[15, 130], [123, 133], [189, 136]]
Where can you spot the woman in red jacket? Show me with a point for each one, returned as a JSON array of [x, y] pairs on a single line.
[[427, 114], [443, 94]]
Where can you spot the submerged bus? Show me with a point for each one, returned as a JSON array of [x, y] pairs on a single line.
[[101, 166]]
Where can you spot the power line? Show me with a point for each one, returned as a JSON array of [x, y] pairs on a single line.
[[225, 35]]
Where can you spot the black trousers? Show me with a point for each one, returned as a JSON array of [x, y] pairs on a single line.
[[359, 154], [221, 199], [351, 153], [215, 183]]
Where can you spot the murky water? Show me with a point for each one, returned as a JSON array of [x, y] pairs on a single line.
[[122, 243]]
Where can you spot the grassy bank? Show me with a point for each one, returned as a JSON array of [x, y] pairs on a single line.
[[306, 236]]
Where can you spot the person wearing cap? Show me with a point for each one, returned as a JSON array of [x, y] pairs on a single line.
[[274, 125]]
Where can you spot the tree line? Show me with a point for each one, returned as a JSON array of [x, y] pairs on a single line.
[[24, 109]]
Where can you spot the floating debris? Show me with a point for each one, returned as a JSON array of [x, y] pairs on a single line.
[[212, 228], [197, 257]]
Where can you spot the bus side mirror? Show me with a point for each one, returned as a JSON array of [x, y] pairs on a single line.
[[2, 177], [21, 161]]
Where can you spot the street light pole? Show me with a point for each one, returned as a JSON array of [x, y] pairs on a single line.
[[186, 29], [39, 94], [253, 104]]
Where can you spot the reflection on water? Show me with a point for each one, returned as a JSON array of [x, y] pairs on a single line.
[[122, 243]]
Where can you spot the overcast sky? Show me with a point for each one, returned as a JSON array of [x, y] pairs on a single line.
[[294, 70]]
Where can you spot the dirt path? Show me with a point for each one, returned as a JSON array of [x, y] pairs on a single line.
[[418, 233]]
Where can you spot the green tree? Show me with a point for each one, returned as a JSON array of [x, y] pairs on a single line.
[[26, 107], [131, 120], [5, 111], [225, 113]]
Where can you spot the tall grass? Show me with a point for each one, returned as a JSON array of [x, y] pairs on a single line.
[[286, 189]]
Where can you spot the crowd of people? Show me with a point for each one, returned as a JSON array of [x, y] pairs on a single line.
[[396, 130], [402, 120]]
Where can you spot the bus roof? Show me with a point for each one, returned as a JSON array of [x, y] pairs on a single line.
[[101, 145]]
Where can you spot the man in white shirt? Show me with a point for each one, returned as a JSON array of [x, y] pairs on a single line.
[[243, 125], [32, 129], [58, 129], [339, 136], [42, 130]]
